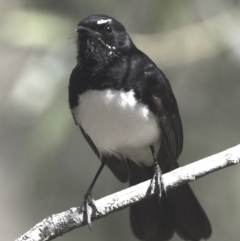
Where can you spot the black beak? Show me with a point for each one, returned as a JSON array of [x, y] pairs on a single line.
[[82, 30]]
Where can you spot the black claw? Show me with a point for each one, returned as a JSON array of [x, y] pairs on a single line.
[[158, 177], [156, 182], [89, 208]]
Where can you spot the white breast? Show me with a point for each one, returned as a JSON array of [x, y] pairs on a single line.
[[117, 123]]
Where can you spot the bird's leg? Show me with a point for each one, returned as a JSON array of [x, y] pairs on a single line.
[[89, 207], [156, 181]]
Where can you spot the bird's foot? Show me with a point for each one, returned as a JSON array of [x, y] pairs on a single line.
[[156, 182], [89, 207]]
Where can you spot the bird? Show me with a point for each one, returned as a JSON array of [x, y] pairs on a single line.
[[127, 112]]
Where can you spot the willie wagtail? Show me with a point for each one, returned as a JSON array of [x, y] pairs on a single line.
[[127, 112]]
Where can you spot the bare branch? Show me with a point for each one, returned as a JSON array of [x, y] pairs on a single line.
[[58, 224]]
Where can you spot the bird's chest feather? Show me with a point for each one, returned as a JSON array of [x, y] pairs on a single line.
[[117, 122]]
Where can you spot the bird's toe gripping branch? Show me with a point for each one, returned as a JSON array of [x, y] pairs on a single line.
[[156, 182], [89, 207]]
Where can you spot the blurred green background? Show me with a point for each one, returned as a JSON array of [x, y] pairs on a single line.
[[46, 166]]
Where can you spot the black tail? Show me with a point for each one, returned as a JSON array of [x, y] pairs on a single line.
[[178, 212]]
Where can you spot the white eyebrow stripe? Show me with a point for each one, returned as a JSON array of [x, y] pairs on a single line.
[[102, 21]]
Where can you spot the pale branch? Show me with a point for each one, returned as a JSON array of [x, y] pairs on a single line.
[[58, 224]]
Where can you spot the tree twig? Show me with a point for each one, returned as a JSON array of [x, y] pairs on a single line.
[[58, 224]]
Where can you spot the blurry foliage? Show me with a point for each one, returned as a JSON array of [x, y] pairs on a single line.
[[46, 166]]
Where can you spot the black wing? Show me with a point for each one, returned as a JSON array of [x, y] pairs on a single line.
[[119, 167], [153, 89], [165, 107]]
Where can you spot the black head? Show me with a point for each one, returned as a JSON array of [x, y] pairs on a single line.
[[102, 35]]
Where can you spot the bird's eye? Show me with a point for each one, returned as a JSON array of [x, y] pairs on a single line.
[[108, 29]]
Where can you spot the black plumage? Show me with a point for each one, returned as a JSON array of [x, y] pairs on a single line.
[[107, 59]]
